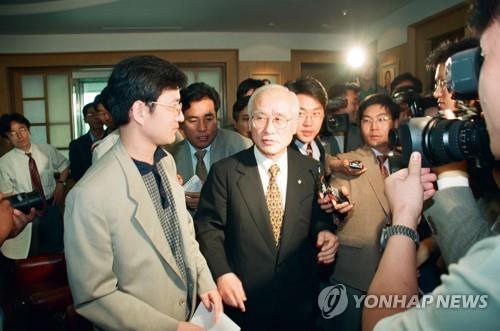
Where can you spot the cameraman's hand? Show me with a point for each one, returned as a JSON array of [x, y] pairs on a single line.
[[20, 221], [406, 190], [6, 222]]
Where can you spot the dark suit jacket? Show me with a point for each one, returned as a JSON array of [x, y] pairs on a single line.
[[80, 156], [234, 232]]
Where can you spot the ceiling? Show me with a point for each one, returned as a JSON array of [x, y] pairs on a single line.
[[124, 16]]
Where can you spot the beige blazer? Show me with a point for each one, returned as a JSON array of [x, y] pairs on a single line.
[[122, 273], [359, 234]]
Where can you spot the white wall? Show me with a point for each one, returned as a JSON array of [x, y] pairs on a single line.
[[389, 32]]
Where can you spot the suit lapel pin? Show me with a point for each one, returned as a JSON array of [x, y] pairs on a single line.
[[299, 181]]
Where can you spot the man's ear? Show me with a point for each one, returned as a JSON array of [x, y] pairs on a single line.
[[138, 112]]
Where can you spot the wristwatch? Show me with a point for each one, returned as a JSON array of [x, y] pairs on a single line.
[[392, 230]]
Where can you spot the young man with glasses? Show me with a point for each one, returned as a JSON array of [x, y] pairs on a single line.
[[204, 142], [31, 167], [360, 231], [133, 261], [259, 224], [312, 100]]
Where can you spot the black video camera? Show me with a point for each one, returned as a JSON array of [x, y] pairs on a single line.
[[416, 103], [336, 123], [25, 201], [442, 141]]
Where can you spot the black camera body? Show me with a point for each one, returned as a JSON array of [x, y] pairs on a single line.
[[442, 141], [416, 103], [25, 201], [336, 123]]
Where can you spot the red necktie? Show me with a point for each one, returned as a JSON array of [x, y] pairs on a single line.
[[383, 170], [36, 182], [309, 151]]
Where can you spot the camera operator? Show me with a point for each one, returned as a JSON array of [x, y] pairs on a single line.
[[477, 272], [406, 92], [436, 62]]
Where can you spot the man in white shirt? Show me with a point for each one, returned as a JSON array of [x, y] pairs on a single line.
[[32, 167]]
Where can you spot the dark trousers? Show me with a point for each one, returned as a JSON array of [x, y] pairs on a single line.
[[47, 233]]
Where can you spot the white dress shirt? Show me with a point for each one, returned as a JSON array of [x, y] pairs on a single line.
[[263, 165], [15, 173]]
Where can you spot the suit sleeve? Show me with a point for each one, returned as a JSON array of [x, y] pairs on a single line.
[[457, 222], [89, 258], [211, 220]]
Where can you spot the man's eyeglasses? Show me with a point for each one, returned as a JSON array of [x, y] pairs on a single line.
[[177, 108], [20, 131], [440, 83], [260, 121], [316, 116], [380, 120]]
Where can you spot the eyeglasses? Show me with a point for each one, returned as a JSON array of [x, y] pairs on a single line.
[[15, 133], [440, 83], [260, 121], [176, 107], [380, 120], [316, 116]]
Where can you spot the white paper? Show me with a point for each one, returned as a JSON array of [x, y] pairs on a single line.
[[194, 184], [205, 319]]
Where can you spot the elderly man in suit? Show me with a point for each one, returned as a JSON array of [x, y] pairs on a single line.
[[259, 225], [133, 261], [359, 234], [205, 143], [80, 150]]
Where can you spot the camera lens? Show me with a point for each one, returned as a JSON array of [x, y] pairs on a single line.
[[442, 141]]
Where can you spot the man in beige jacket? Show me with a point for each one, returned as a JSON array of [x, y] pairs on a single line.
[[133, 262]]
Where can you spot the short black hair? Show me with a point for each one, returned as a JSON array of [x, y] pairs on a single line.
[[239, 105], [447, 48], [247, 85], [378, 99], [197, 92], [103, 99], [309, 86], [87, 107], [139, 78], [482, 13], [417, 83], [340, 90], [6, 122]]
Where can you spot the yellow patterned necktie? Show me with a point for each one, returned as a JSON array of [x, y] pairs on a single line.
[[273, 200]]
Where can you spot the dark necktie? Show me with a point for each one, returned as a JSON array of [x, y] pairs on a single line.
[[309, 151], [383, 170], [36, 182], [201, 169], [273, 200]]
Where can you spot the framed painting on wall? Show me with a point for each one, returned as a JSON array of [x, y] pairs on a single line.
[[387, 72]]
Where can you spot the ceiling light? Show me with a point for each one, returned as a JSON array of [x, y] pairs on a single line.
[[356, 57]]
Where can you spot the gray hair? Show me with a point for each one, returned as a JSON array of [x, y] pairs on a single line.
[[293, 100]]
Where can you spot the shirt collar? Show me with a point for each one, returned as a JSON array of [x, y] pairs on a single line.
[[193, 149], [267, 163], [144, 167]]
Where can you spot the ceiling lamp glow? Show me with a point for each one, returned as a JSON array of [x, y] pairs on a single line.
[[356, 57]]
